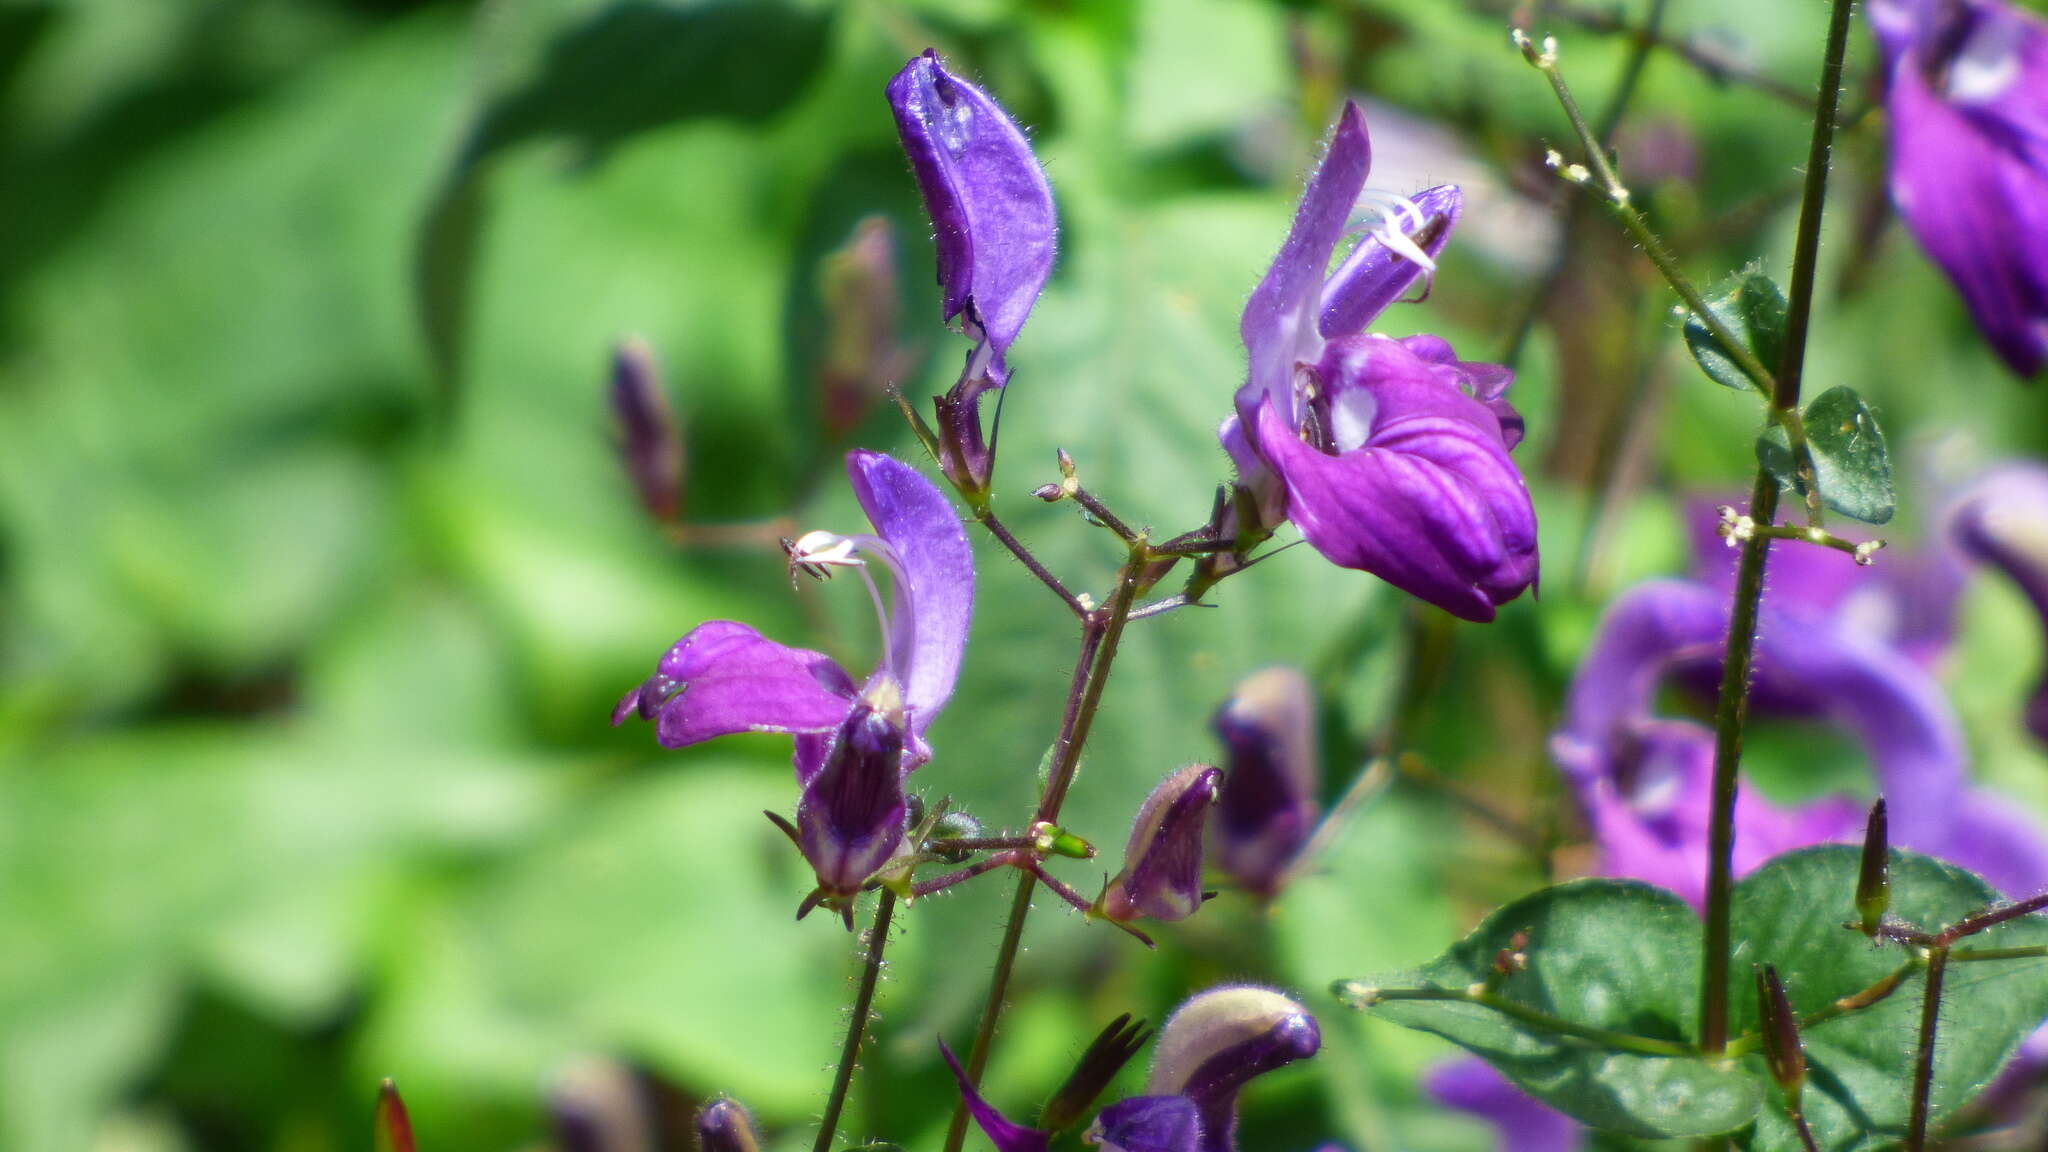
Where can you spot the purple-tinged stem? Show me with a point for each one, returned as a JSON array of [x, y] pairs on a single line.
[[996, 529], [1101, 631]]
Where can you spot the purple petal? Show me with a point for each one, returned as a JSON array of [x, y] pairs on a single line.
[[1991, 836], [1219, 1040], [850, 819], [1149, 1124], [1429, 501], [1002, 1132], [934, 593], [1523, 1123], [991, 209], [1267, 808], [1279, 321], [736, 680], [2002, 520], [1486, 383], [1969, 165], [1373, 276]]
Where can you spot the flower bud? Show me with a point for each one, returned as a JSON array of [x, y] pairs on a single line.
[[393, 1125], [1112, 1049], [1782, 1050], [1873, 880], [851, 817], [1222, 1038], [1267, 809], [1162, 876], [600, 1106], [1149, 1124], [725, 1126], [649, 444], [965, 455], [858, 283]]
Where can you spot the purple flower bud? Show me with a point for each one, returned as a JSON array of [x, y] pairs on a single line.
[[862, 357], [991, 209], [1162, 876], [1267, 809], [2002, 520], [1968, 103], [649, 444], [725, 1126], [1218, 1041], [851, 816], [1149, 1124]]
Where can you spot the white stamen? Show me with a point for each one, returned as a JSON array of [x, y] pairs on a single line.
[[1391, 218], [818, 552]]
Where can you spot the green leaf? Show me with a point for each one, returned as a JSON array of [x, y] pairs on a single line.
[[1608, 954], [1849, 456], [1789, 913], [1752, 308]]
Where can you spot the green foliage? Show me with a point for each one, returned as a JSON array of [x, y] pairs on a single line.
[[1612, 964], [1751, 306], [1850, 460]]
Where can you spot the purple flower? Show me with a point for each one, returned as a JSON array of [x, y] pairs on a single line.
[[1211, 1047], [1968, 102], [1268, 808], [2002, 520], [852, 744], [991, 209], [1162, 875], [1392, 455]]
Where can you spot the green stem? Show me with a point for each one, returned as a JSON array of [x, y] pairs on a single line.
[[1534, 1017], [1752, 1041], [2023, 953], [856, 1028], [1101, 633], [1732, 709]]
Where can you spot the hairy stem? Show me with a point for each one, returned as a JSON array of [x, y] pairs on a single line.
[[997, 529], [1733, 706], [1923, 1064], [1101, 633], [856, 1028]]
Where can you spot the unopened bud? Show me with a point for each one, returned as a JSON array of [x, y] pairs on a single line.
[[858, 284], [393, 1125], [1067, 469], [1162, 876], [1782, 1050], [1222, 1038], [1050, 493], [965, 454], [1866, 552], [1521, 41], [649, 445], [1053, 840], [1112, 1048], [1267, 809], [725, 1126], [1873, 879]]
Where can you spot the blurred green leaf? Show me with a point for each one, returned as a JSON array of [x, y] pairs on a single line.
[[1850, 460], [1608, 954], [1752, 307]]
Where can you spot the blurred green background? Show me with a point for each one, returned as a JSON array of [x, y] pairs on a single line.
[[319, 573]]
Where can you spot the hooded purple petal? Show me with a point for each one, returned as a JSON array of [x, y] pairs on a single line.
[[2002, 520], [1279, 325], [934, 593], [851, 816], [1267, 808], [1005, 1134], [1524, 1124], [729, 678], [991, 209], [1162, 876], [1415, 487], [1373, 276], [1968, 102], [1221, 1039], [1149, 1124]]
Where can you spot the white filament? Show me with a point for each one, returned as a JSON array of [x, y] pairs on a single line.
[[1391, 218]]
